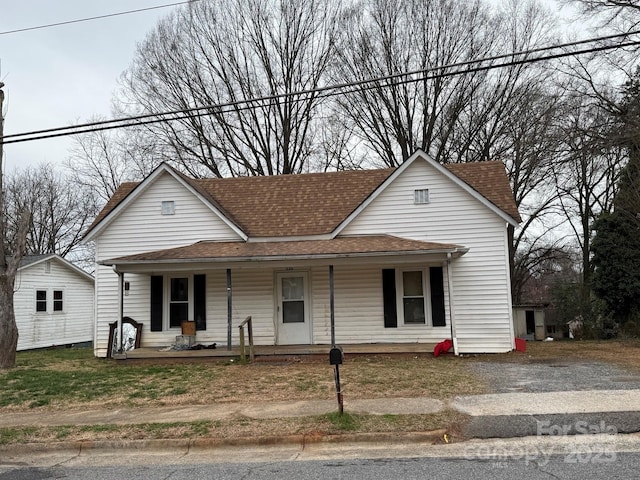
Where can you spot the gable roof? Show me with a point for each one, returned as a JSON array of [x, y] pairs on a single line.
[[31, 260], [316, 203]]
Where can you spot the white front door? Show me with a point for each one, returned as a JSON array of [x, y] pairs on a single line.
[[294, 325]]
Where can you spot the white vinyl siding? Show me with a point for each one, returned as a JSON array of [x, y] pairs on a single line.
[[72, 324], [141, 227], [481, 286]]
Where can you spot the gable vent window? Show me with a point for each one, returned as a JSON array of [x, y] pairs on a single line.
[[421, 196], [168, 207]]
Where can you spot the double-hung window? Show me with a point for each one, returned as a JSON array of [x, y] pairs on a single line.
[[413, 297], [41, 300], [176, 299]]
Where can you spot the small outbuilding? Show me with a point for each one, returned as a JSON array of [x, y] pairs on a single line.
[[53, 303]]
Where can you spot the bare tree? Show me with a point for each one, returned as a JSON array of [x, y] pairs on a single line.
[[217, 52], [60, 209], [618, 14], [100, 161], [12, 249], [586, 174], [455, 117]]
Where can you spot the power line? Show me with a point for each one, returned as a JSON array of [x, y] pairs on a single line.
[[322, 92], [68, 22]]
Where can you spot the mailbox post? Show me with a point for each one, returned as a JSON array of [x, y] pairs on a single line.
[[336, 357]]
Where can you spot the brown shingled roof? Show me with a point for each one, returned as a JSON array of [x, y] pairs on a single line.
[[315, 203], [341, 246], [489, 179]]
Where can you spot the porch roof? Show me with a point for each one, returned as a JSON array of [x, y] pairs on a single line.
[[340, 247]]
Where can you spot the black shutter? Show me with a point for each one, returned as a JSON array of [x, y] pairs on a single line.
[[156, 303], [437, 297], [200, 301], [389, 298]]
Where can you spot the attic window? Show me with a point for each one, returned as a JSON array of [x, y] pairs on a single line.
[[168, 207], [421, 196]]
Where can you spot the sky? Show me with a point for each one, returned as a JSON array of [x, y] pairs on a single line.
[[66, 74], [62, 75]]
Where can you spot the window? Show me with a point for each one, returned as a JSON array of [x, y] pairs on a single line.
[[57, 300], [175, 299], [178, 301], [413, 298], [168, 207], [41, 300], [421, 196]]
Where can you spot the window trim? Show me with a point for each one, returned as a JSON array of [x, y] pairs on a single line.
[[166, 321], [46, 301], [426, 290], [61, 300]]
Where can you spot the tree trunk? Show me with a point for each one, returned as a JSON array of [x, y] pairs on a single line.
[[8, 327]]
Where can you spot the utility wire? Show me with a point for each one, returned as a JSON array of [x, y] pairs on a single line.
[[68, 22], [343, 85], [322, 92]]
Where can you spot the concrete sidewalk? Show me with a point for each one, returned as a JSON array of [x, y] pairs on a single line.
[[502, 415]]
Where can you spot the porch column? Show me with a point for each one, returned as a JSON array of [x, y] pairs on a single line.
[[331, 307], [229, 309], [452, 316], [120, 307]]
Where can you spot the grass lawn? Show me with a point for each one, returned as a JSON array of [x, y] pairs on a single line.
[[72, 379]]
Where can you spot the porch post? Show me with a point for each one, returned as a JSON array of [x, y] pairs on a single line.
[[120, 308], [452, 316], [331, 307], [229, 309]]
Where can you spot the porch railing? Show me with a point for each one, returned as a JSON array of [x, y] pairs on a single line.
[[243, 355]]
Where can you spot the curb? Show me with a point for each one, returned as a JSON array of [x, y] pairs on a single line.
[[195, 444]]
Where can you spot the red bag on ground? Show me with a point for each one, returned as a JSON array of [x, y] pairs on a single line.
[[442, 347]]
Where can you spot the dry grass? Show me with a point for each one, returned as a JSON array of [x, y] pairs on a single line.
[[74, 380]]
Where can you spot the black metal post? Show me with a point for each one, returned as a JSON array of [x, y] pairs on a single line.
[[339, 390]]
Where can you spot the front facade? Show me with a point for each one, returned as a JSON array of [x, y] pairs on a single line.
[[53, 303], [413, 254]]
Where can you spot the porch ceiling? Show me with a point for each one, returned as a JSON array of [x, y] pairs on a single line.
[[343, 247]]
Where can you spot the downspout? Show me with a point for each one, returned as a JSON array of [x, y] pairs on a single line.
[[454, 338], [229, 309], [120, 307]]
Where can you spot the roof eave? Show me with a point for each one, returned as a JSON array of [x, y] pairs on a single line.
[[456, 252]]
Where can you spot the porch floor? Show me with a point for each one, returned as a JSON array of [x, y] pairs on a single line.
[[283, 350]]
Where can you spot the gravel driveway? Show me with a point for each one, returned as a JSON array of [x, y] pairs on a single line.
[[555, 376]]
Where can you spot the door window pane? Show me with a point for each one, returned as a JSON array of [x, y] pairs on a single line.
[[293, 312], [293, 288], [293, 300]]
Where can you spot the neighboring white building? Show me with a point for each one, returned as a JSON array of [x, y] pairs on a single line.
[[53, 303], [418, 254]]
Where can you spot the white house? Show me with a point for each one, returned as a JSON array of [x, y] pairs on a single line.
[[413, 254], [53, 302]]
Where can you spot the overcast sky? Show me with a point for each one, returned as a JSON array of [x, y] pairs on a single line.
[[66, 74], [61, 75]]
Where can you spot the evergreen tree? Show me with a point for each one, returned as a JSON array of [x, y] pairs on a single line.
[[616, 246]]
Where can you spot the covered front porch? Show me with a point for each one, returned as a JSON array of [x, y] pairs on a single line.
[[270, 352], [371, 295]]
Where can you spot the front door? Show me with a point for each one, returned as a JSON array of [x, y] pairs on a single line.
[[293, 319]]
